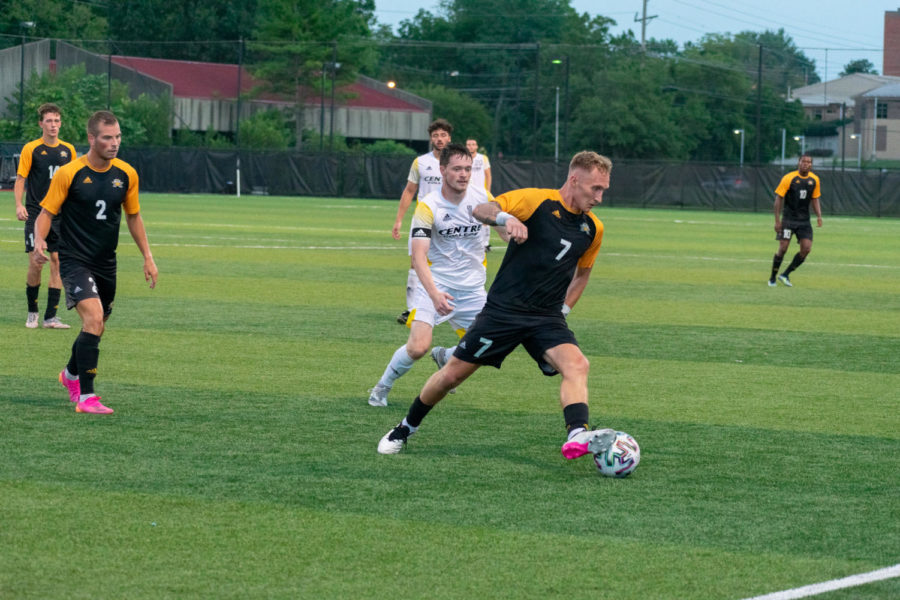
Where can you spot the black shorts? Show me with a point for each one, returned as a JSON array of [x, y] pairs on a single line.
[[52, 235], [803, 231], [495, 334], [82, 282]]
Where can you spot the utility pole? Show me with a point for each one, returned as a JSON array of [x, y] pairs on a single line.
[[643, 20]]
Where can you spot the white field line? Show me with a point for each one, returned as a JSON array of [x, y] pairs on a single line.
[[498, 249], [835, 584]]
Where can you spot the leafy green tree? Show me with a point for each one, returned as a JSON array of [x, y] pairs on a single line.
[[182, 29], [468, 116], [62, 19], [861, 65], [265, 130], [388, 147], [301, 46]]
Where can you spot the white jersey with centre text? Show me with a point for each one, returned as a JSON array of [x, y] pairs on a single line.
[[480, 164], [456, 254], [426, 173]]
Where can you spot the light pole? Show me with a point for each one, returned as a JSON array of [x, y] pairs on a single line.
[[556, 129], [23, 25], [802, 140], [741, 132], [559, 61], [858, 138]]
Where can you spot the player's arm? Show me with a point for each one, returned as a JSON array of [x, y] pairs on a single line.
[[576, 287], [18, 193], [779, 202], [406, 198], [818, 209], [441, 300], [490, 213], [139, 234], [41, 229]]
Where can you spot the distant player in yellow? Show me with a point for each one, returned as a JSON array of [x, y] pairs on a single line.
[[90, 195], [424, 177], [797, 191], [38, 162]]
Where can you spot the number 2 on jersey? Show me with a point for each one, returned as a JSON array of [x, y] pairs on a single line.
[[101, 210]]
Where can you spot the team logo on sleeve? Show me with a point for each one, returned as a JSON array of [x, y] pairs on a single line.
[[117, 183], [421, 233]]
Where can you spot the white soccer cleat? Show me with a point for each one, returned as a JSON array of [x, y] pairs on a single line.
[[32, 321], [784, 279], [594, 441], [394, 440], [378, 395], [55, 323], [772, 283]]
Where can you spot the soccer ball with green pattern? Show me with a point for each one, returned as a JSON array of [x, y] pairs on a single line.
[[622, 457]]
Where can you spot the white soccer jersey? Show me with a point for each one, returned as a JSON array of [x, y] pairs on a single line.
[[480, 164], [456, 254], [426, 173]]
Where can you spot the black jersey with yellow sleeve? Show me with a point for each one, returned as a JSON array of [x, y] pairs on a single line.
[[535, 275], [90, 205], [798, 191], [38, 162]]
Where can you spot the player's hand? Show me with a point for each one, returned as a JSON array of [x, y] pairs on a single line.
[[443, 303], [819, 222], [21, 213], [151, 273], [395, 230], [39, 254], [777, 226], [516, 230]]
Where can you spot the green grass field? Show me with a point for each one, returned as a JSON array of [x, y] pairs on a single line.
[[241, 463]]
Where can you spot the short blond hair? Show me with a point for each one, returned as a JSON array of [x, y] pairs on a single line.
[[588, 161]]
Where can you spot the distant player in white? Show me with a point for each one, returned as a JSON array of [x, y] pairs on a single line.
[[424, 178], [448, 257], [481, 177]]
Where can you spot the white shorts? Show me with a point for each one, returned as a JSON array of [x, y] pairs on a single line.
[[467, 304]]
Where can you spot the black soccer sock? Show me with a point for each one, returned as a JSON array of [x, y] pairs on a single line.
[[72, 365], [87, 356], [31, 292], [796, 262], [52, 302], [576, 416], [417, 412], [776, 264]]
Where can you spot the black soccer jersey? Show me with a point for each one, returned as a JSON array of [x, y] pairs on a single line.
[[535, 275], [90, 206], [798, 192], [37, 164]]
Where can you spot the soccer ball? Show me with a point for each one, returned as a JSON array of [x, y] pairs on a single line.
[[621, 459]]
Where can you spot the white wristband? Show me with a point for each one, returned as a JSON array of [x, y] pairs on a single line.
[[566, 309], [502, 218]]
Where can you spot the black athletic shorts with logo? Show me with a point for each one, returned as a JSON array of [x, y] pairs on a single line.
[[52, 235], [82, 282], [803, 230], [496, 333]]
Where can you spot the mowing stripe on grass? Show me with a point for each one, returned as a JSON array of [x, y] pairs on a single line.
[[835, 584]]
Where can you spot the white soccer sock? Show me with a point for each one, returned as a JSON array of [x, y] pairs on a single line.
[[575, 431], [69, 376], [410, 427], [412, 280], [400, 364]]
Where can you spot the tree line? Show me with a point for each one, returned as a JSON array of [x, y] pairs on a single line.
[[527, 78]]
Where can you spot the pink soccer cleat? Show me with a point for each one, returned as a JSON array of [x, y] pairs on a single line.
[[92, 406], [71, 385], [594, 441]]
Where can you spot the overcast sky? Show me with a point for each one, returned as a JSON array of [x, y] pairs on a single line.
[[850, 30]]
